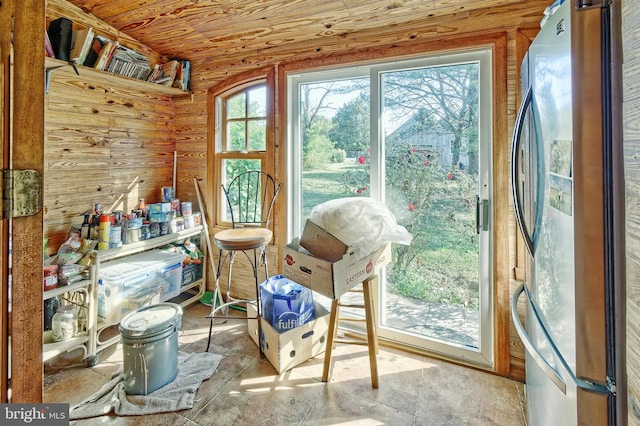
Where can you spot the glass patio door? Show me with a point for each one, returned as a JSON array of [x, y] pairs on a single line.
[[415, 135], [432, 135]]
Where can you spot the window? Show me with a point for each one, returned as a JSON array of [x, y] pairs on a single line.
[[241, 136]]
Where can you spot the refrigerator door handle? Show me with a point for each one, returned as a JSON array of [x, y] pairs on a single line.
[[553, 375], [515, 169]]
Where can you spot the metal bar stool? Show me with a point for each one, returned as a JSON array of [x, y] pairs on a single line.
[[250, 198], [371, 341]]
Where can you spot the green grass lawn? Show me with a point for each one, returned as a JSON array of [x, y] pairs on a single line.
[[445, 268], [323, 184]]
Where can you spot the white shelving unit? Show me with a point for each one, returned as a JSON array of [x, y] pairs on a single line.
[[106, 334], [85, 339]]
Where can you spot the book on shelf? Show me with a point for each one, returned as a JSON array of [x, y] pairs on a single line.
[[186, 75], [94, 52], [156, 73], [129, 63], [81, 41], [181, 80], [48, 48], [169, 70], [60, 36], [106, 53]]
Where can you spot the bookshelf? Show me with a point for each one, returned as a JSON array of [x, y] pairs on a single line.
[[91, 74]]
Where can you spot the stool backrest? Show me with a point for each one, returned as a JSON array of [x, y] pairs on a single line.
[[250, 199]]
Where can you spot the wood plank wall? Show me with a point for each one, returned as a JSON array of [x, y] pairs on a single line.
[[631, 119], [103, 144], [112, 147]]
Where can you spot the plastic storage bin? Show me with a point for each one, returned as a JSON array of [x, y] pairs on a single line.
[[143, 279], [150, 347], [191, 273]]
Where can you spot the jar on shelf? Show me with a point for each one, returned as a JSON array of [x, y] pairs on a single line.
[[64, 324]]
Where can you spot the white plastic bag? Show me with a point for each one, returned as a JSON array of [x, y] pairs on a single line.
[[362, 223]]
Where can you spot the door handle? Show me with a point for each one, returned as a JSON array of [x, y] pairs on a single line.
[[515, 169], [553, 375], [482, 215]]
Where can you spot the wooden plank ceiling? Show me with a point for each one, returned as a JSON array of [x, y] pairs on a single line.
[[202, 30]]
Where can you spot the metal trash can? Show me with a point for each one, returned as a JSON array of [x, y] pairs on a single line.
[[150, 347]]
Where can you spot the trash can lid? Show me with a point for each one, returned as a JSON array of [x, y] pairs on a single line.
[[150, 320]]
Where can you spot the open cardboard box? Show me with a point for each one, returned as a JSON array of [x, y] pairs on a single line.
[[295, 346], [330, 278]]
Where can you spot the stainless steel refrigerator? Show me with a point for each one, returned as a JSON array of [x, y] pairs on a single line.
[[567, 185]]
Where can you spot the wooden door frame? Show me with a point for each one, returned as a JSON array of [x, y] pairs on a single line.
[[23, 148]]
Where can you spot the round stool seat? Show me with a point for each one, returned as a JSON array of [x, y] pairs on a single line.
[[243, 238]]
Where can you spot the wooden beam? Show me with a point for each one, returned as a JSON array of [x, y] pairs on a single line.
[[27, 152]]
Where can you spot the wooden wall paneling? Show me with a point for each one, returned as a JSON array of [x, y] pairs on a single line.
[[106, 145], [518, 43], [501, 212], [191, 145], [631, 120]]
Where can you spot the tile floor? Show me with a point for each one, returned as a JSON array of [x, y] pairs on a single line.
[[246, 390]]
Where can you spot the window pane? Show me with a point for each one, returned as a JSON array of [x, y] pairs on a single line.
[[236, 136], [431, 124], [334, 124], [236, 106], [231, 168], [258, 102], [257, 135]]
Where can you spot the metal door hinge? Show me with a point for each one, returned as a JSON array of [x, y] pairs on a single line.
[[21, 193]]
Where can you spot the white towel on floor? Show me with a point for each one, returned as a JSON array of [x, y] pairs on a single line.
[[178, 395]]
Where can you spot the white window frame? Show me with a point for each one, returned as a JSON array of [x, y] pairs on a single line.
[[484, 355]]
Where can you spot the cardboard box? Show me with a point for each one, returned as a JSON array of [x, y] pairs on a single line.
[[293, 347], [332, 279], [321, 243]]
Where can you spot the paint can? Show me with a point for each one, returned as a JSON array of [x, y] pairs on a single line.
[[175, 205], [145, 232], [115, 236], [186, 208], [154, 229], [133, 235], [188, 222], [167, 194], [197, 218]]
